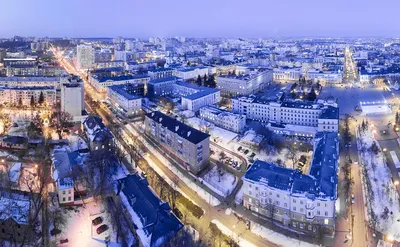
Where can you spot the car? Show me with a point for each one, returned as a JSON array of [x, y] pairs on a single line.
[[97, 221], [101, 229], [247, 224], [353, 199], [63, 241]]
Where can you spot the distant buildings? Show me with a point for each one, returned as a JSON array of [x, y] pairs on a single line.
[[161, 73], [30, 81], [328, 77], [244, 84], [162, 86], [194, 97], [187, 145], [85, 56], [153, 221], [121, 96], [286, 74], [303, 202], [227, 120]]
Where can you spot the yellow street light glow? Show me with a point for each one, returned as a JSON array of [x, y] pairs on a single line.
[[389, 238]]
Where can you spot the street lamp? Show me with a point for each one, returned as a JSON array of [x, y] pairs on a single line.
[[384, 149], [396, 182], [389, 238]]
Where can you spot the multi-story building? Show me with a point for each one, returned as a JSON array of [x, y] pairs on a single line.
[[30, 81], [243, 84], [329, 77], [285, 117], [161, 73], [188, 73], [120, 96], [85, 56], [22, 96], [303, 202], [72, 95], [189, 146], [100, 83], [227, 120], [193, 97], [33, 70], [286, 74], [162, 86]]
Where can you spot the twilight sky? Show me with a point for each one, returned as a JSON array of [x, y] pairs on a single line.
[[199, 18]]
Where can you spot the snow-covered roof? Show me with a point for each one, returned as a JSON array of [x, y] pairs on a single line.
[[15, 206]]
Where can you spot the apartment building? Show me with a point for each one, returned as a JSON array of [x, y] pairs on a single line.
[[72, 95], [85, 56], [244, 84], [328, 77], [101, 141], [30, 81], [21, 96], [189, 146], [303, 202], [224, 119], [129, 104], [298, 118]]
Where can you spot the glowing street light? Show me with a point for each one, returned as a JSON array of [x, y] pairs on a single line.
[[396, 182], [384, 149], [389, 238]]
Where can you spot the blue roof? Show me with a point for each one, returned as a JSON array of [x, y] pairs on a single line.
[[201, 94], [156, 217], [165, 79], [121, 90], [122, 78], [161, 69], [322, 180]]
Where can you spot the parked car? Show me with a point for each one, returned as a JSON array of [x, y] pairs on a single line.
[[97, 221], [101, 229], [353, 200], [63, 241]]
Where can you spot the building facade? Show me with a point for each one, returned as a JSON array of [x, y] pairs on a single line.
[[188, 73], [245, 84], [162, 86], [129, 104], [227, 120], [72, 95], [85, 56], [303, 202], [100, 83], [187, 145]]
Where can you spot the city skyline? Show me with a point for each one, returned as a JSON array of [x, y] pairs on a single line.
[[206, 19]]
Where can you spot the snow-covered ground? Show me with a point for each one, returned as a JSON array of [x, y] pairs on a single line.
[[218, 135], [378, 108], [275, 237], [224, 183], [384, 196], [225, 230], [79, 230]]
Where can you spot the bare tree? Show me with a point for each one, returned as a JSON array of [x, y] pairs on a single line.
[[292, 155], [60, 121]]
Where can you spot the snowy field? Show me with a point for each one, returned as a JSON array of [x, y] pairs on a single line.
[[383, 197], [224, 183], [275, 237], [79, 230], [369, 109]]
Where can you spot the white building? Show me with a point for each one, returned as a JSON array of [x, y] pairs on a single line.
[[120, 55], [129, 104], [30, 81], [85, 56], [227, 120], [329, 77], [289, 118], [244, 84], [21, 96], [72, 96], [161, 86], [187, 73], [162, 73], [302, 202], [286, 74]]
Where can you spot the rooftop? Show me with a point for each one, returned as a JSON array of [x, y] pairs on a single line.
[[185, 131], [121, 78], [121, 90], [321, 182], [165, 79]]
